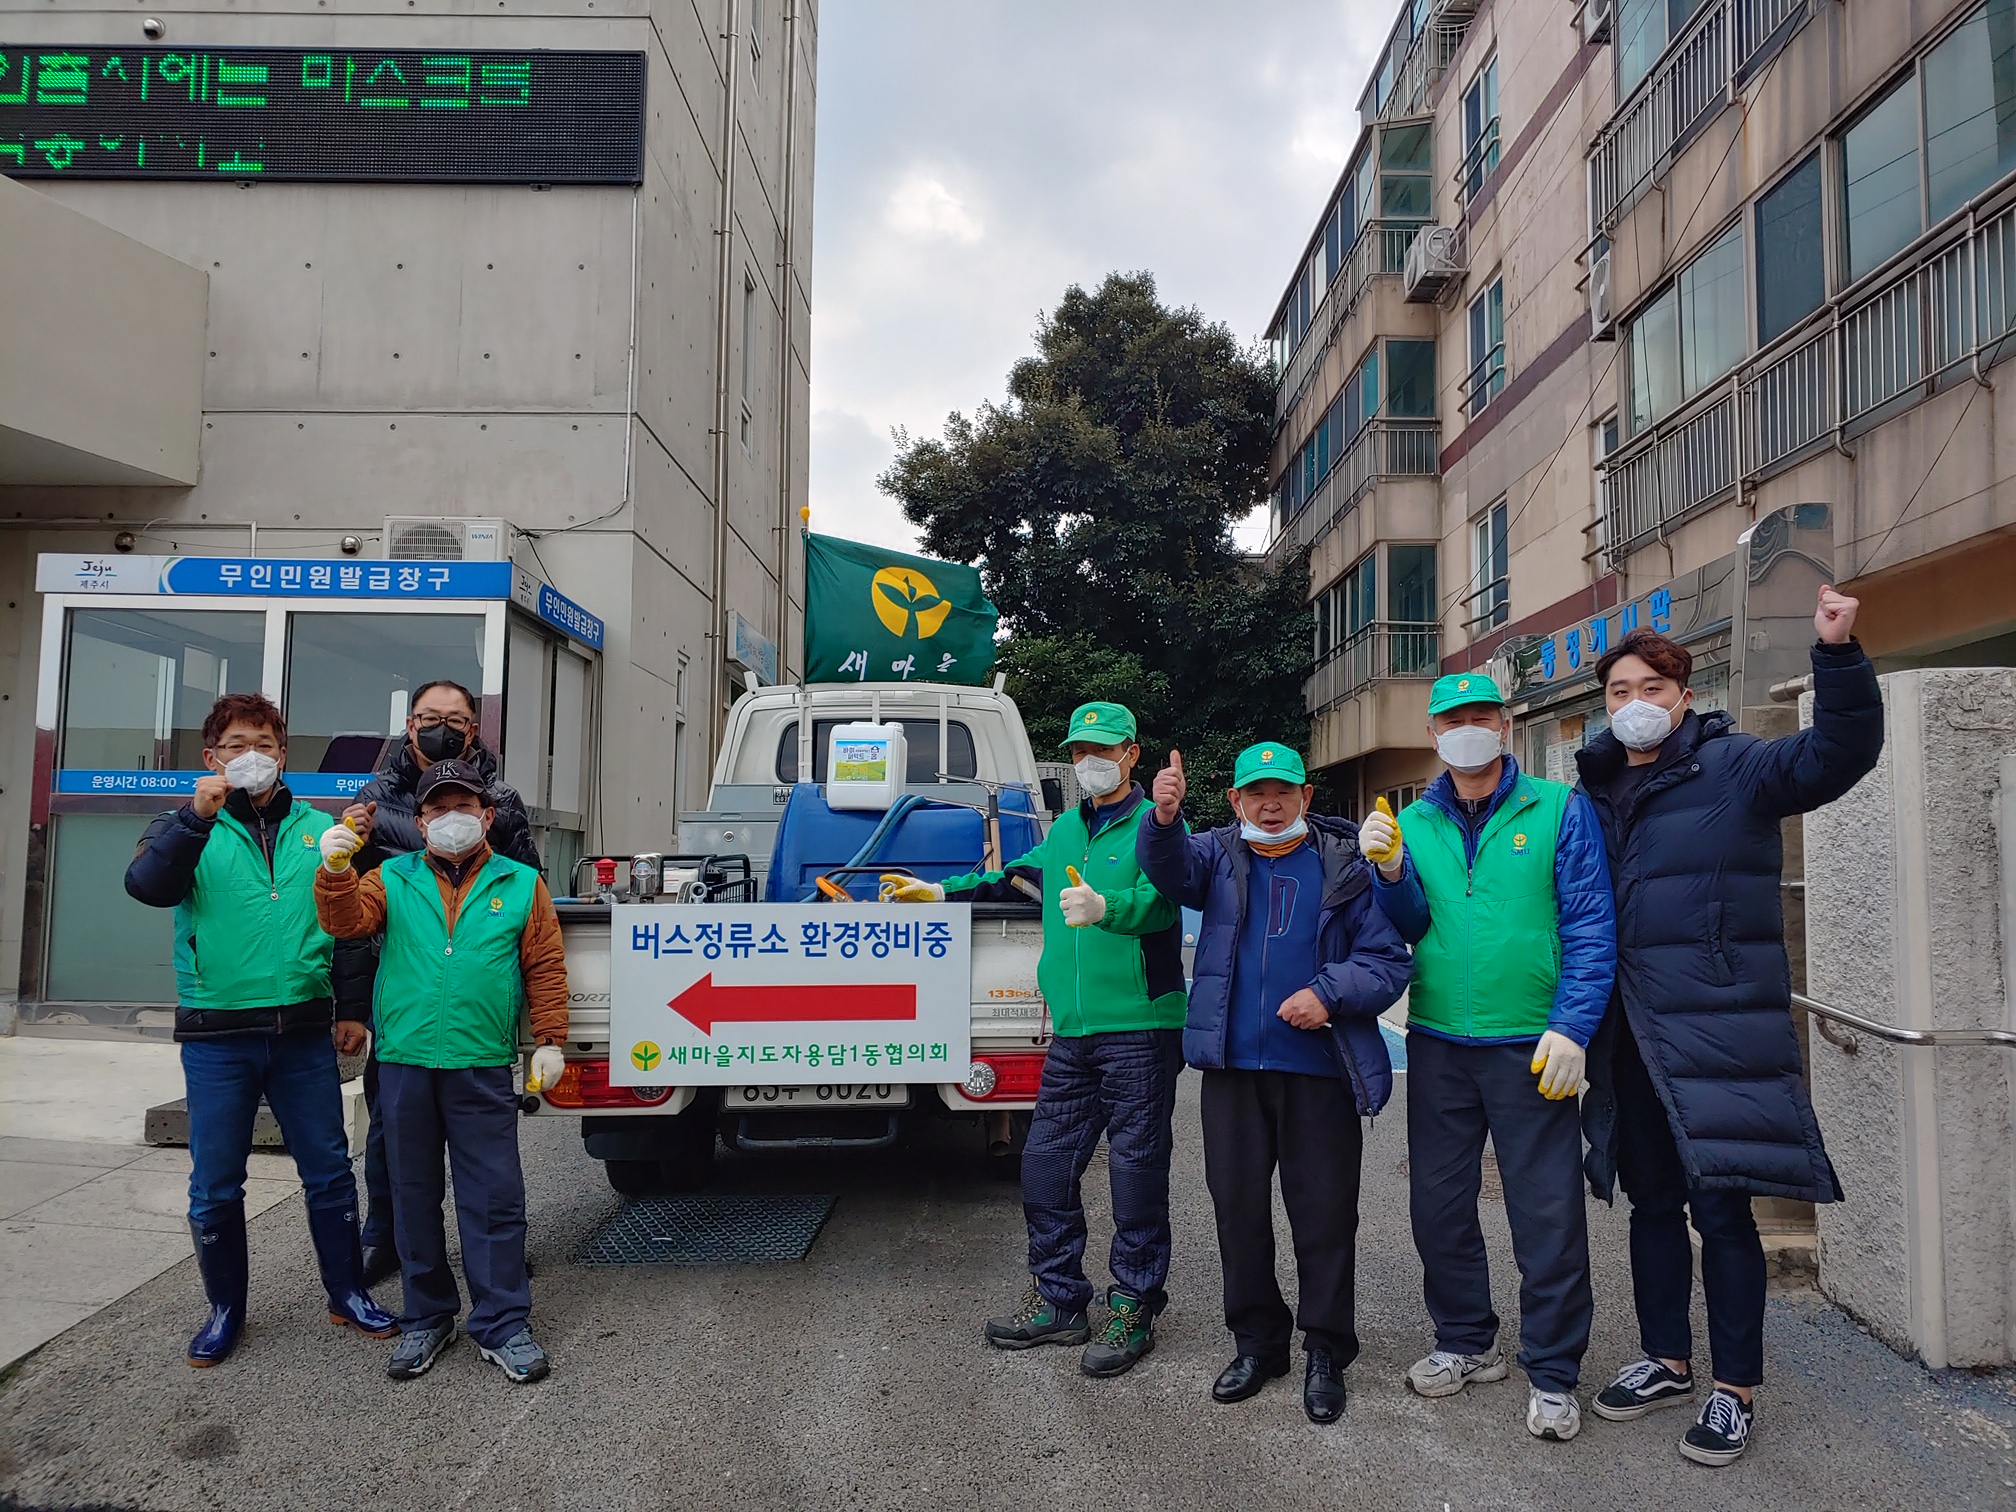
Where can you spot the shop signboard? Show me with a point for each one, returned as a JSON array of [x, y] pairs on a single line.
[[1691, 606]]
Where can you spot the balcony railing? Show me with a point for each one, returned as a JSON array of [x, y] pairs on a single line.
[[1478, 162], [1697, 73], [1384, 449], [1416, 63], [1379, 652], [1487, 606], [1948, 303], [1381, 247]]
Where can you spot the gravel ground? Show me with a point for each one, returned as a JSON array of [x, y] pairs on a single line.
[[858, 1378]]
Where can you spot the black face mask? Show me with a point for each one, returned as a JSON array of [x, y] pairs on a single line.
[[442, 742]]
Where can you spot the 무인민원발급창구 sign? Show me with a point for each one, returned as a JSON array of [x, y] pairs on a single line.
[[734, 994], [362, 115]]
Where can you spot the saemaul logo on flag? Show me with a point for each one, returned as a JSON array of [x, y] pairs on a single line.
[[904, 595], [880, 616], [790, 993]]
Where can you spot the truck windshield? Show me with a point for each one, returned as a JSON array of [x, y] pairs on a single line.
[[920, 734]]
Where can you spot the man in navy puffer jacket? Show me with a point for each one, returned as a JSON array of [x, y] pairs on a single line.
[[1294, 965]]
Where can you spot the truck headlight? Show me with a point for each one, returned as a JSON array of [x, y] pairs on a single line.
[[980, 1079]]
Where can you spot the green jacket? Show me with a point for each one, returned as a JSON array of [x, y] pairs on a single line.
[[1125, 973], [1488, 967], [446, 999], [245, 933]]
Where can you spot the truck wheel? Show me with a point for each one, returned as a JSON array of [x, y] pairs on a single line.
[[690, 1163], [634, 1178]]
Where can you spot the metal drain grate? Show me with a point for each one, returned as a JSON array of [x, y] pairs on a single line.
[[708, 1231]]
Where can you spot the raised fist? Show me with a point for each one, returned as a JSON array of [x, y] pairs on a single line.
[[1834, 620]]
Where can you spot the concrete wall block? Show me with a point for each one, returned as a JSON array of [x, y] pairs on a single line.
[[1904, 895]]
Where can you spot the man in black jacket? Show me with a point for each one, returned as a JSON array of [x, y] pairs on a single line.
[[1696, 1100], [441, 725]]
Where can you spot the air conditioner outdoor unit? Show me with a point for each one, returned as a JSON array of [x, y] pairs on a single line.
[[446, 538], [1434, 261], [1602, 317], [1598, 16]]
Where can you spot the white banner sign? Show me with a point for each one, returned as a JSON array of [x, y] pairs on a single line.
[[734, 994]]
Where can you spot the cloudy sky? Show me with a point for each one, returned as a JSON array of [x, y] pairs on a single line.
[[975, 157]]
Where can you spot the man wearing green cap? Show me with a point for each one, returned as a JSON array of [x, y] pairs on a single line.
[[1112, 980], [1503, 889], [1295, 962]]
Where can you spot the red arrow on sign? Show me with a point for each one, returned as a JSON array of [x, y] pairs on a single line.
[[703, 1005]]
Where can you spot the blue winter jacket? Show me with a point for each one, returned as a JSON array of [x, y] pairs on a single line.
[[1702, 979], [1366, 964], [1582, 899]]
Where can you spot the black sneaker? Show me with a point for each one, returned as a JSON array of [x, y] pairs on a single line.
[[1037, 1321], [1722, 1432], [1130, 1334], [1641, 1388]]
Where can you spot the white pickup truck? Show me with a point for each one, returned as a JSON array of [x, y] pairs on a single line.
[[965, 744]]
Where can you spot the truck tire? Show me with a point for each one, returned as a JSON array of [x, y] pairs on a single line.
[[689, 1164], [634, 1178]]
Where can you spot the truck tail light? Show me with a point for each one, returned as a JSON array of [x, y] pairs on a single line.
[[585, 1084], [1017, 1075]]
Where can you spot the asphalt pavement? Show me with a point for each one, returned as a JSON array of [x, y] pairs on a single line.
[[858, 1378]]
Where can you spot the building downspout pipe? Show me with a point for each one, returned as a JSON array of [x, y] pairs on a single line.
[[786, 271], [717, 654]]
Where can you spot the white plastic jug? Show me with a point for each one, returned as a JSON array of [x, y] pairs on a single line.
[[865, 765]]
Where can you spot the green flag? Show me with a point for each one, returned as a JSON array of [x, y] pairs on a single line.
[[881, 616]]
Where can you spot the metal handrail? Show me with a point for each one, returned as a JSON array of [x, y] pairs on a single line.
[[1891, 1033]]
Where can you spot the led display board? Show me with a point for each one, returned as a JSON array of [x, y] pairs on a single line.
[[364, 115]]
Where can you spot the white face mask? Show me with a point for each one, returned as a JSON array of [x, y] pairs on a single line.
[[1643, 726], [454, 833], [1252, 833], [1469, 748], [253, 771], [1096, 775]]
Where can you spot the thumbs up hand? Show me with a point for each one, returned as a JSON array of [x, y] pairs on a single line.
[[1083, 906], [1170, 789], [1379, 839]]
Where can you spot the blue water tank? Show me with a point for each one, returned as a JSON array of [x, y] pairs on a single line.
[[935, 841]]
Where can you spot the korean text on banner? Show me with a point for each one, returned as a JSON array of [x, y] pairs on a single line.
[[789, 993], [881, 616]]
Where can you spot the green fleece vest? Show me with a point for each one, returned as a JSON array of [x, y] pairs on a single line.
[[1491, 959], [246, 935], [449, 1001]]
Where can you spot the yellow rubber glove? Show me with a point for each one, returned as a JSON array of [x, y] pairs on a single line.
[[1559, 1062], [549, 1064], [339, 843], [1379, 836], [897, 888]]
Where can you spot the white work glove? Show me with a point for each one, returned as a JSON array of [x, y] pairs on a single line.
[[897, 888], [548, 1065], [1559, 1062], [339, 844], [1379, 840], [1083, 906]]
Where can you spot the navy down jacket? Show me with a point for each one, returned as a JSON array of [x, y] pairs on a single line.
[[1702, 980], [1366, 964]]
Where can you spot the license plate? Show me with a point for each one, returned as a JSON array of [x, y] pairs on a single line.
[[824, 1095]]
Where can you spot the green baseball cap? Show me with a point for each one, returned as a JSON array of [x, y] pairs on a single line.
[[1460, 688], [1100, 724], [1259, 762]]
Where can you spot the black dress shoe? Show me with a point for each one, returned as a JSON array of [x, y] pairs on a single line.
[[1323, 1389], [381, 1262], [1244, 1377]]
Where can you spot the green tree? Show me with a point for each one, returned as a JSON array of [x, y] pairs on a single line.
[[1098, 502]]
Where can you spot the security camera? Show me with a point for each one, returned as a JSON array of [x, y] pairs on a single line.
[[154, 28], [350, 545], [124, 541]]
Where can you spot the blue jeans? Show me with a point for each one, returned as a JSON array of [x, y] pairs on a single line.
[[296, 1074], [1122, 1085], [1662, 1261]]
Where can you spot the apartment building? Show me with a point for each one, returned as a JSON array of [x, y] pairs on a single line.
[[1651, 312]]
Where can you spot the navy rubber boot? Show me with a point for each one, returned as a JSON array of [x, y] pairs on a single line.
[[221, 1260], [341, 1255]]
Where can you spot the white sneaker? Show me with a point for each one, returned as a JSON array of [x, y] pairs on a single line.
[[1553, 1415], [1444, 1374]]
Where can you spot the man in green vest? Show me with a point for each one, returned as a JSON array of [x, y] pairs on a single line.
[[1502, 887], [1112, 978], [253, 1014], [471, 939]]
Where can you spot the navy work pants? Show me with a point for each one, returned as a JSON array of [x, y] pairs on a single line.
[[296, 1074], [1122, 1085], [474, 1114], [377, 1175], [1662, 1261], [1456, 1095]]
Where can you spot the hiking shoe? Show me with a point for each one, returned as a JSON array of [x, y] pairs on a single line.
[[415, 1353], [519, 1357], [1722, 1432], [1037, 1321], [1130, 1334], [1444, 1374], [1553, 1415], [1641, 1388]]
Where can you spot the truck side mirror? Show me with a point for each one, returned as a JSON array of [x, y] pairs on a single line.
[[1053, 795]]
